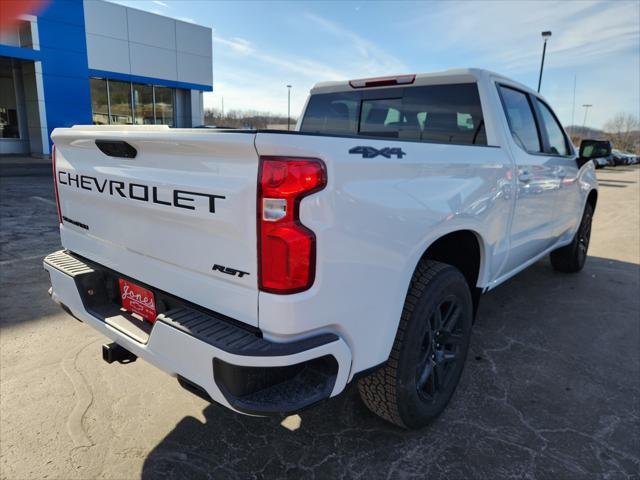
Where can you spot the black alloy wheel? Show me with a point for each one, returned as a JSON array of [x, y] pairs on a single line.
[[440, 350]]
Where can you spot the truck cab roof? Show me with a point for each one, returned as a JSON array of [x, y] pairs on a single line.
[[454, 75]]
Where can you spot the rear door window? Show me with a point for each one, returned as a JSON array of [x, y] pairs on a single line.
[[434, 113], [521, 120]]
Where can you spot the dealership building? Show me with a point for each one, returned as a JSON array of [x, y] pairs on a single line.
[[92, 61]]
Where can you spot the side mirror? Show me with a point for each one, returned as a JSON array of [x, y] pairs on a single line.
[[590, 149]]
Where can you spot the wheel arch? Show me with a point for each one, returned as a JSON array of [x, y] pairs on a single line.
[[463, 249], [592, 198]]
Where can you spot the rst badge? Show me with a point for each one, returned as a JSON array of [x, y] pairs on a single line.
[[229, 271], [370, 152]]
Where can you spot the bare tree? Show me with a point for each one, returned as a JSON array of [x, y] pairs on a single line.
[[623, 131], [245, 119], [579, 133]]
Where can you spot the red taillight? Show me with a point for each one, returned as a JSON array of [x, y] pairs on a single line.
[[286, 248], [382, 81], [55, 182]]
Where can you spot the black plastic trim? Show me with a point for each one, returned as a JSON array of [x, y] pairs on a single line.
[[164, 301], [116, 148], [194, 388], [213, 328], [217, 333], [367, 371], [276, 390]]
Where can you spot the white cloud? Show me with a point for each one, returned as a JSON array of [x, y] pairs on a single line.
[[251, 85], [283, 61], [507, 34], [162, 4], [366, 58], [249, 76], [594, 40], [237, 44]]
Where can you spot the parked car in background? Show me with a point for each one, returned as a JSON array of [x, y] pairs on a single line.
[[602, 162], [619, 158]]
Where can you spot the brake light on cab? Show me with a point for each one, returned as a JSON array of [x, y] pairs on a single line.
[[286, 248], [383, 81]]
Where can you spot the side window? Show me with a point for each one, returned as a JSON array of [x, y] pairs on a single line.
[[444, 113], [557, 140], [521, 120]]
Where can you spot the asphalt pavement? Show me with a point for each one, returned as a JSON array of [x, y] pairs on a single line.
[[551, 388]]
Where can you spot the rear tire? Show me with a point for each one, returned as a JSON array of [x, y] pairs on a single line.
[[429, 349], [571, 258]]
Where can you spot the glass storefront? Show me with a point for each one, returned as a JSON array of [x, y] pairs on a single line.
[[99, 102], [120, 102], [9, 127], [164, 105], [143, 101], [115, 102]]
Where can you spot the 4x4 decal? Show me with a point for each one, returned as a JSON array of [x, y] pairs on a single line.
[[370, 152]]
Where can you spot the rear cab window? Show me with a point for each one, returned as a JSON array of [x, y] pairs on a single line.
[[432, 113]]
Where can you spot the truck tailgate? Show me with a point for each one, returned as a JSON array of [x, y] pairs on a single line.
[[180, 216]]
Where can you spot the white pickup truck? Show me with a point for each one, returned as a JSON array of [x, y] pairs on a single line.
[[267, 270]]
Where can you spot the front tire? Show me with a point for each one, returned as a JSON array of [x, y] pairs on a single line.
[[571, 258], [429, 349]]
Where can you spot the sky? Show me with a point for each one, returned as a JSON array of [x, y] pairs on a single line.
[[261, 46]]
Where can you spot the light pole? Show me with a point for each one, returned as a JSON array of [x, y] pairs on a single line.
[[586, 109], [573, 105], [288, 107], [546, 36]]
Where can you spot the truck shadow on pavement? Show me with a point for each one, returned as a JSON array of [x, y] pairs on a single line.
[[548, 391]]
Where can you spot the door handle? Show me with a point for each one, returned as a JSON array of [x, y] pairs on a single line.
[[524, 176], [562, 172]]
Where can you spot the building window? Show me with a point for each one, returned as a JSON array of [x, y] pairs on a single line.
[[18, 35], [164, 105], [123, 103], [143, 104], [120, 102], [24, 33], [99, 101], [8, 106]]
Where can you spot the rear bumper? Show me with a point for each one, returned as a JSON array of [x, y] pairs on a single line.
[[234, 365]]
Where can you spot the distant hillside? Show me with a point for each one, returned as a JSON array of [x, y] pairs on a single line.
[[246, 119], [578, 133], [585, 132]]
